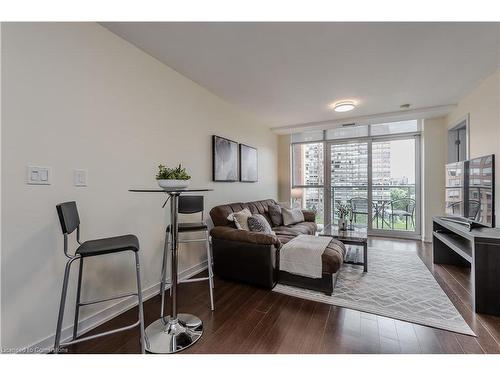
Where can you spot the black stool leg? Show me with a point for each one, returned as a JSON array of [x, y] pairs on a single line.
[[139, 298], [62, 305], [77, 307]]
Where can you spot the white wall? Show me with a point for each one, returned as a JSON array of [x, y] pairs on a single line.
[[483, 106], [78, 96], [433, 178]]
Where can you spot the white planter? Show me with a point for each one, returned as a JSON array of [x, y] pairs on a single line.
[[173, 184]]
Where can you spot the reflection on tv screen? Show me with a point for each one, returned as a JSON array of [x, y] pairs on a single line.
[[470, 190], [480, 194]]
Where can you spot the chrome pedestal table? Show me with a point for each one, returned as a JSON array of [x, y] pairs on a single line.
[[178, 331]]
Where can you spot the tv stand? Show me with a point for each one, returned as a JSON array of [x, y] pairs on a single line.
[[477, 248]]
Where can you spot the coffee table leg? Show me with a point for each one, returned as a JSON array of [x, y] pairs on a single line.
[[365, 257]]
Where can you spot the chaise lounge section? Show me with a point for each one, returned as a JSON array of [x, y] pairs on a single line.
[[253, 257]]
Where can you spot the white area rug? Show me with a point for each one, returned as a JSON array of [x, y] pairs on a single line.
[[397, 285]]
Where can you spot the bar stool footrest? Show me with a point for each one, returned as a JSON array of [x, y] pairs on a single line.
[[194, 280], [107, 299], [125, 328]]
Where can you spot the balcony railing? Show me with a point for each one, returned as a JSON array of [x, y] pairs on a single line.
[[391, 209], [393, 206]]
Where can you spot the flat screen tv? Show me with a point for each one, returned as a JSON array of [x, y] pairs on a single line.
[[470, 190]]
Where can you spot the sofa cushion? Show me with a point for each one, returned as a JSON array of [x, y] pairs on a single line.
[[292, 216], [306, 227], [261, 208], [220, 213], [331, 259], [258, 223], [275, 215], [309, 215], [240, 218]]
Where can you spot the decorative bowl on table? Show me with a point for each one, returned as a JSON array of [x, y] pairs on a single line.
[[173, 184], [172, 178]]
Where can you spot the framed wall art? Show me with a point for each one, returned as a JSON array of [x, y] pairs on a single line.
[[224, 159], [248, 164]]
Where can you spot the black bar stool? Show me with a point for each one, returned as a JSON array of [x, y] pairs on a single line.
[[69, 219], [188, 204]]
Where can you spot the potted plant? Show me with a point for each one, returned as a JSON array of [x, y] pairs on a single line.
[[173, 178]]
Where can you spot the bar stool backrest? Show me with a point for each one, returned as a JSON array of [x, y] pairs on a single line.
[[190, 204], [68, 217]]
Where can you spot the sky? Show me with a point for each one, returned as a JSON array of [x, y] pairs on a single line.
[[403, 159]]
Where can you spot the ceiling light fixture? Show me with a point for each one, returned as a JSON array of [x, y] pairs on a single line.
[[344, 106]]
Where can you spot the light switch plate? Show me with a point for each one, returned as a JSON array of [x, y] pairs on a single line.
[[80, 177], [38, 175]]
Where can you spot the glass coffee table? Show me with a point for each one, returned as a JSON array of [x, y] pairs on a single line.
[[357, 236]]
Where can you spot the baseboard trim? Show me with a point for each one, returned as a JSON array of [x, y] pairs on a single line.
[[108, 313]]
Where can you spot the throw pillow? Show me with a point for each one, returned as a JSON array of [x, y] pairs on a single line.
[[258, 223], [275, 214], [240, 218], [292, 216]]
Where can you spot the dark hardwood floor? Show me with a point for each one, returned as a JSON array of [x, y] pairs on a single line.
[[252, 320]]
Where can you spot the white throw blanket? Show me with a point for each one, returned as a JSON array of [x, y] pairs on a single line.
[[302, 255]]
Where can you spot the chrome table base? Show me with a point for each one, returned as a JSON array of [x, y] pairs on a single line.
[[173, 333], [167, 335]]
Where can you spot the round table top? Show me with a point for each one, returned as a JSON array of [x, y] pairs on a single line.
[[160, 190]]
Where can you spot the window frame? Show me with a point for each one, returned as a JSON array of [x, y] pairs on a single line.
[[308, 186], [369, 139], [293, 185]]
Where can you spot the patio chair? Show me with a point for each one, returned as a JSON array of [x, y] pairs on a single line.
[[359, 206], [403, 208]]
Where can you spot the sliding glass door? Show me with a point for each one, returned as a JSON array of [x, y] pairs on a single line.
[[378, 178], [394, 188], [348, 179]]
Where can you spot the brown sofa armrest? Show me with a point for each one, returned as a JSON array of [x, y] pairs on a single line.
[[309, 215], [231, 234]]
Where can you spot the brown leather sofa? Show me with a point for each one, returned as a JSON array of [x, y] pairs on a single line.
[[253, 257]]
